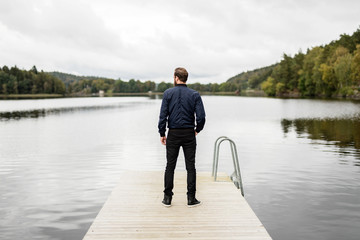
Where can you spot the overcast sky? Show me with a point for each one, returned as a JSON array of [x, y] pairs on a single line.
[[147, 39]]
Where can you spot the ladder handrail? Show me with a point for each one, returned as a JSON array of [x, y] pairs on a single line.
[[215, 153], [237, 175]]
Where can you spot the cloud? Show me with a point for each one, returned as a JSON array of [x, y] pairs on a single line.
[[147, 39], [69, 23]]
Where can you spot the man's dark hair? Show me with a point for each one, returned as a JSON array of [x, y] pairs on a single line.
[[181, 73]]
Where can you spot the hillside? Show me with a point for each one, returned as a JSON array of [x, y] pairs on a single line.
[[331, 70], [71, 78], [252, 79]]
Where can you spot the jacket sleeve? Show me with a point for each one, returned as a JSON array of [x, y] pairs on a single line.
[[200, 114], [164, 113]]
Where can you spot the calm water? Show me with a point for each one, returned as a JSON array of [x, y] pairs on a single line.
[[60, 159]]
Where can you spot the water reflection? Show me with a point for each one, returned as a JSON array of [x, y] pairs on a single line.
[[341, 132], [17, 115], [19, 109]]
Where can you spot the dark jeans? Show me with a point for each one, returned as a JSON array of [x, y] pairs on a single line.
[[177, 138]]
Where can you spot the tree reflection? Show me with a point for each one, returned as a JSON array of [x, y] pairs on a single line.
[[37, 113], [341, 132]]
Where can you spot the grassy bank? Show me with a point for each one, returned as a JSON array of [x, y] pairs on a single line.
[[33, 96]]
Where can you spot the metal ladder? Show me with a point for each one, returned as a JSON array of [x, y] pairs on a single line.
[[236, 176]]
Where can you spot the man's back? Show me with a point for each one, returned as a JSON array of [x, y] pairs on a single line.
[[179, 106]]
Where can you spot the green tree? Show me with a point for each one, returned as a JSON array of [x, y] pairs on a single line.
[[342, 69], [196, 86], [347, 42], [4, 88], [355, 67], [310, 76], [34, 70], [215, 87], [329, 79], [296, 68], [229, 87], [280, 88], [269, 86], [4, 78], [15, 87], [34, 90], [5, 69], [163, 86], [149, 86]]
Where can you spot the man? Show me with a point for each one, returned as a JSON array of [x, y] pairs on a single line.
[[179, 106]]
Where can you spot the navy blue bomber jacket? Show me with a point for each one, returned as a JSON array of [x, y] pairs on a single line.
[[178, 108]]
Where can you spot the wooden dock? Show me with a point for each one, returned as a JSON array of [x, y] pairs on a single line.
[[134, 211]]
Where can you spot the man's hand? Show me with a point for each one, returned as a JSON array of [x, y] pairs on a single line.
[[163, 140], [196, 133]]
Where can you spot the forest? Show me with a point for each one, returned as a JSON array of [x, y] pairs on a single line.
[[332, 70], [16, 81]]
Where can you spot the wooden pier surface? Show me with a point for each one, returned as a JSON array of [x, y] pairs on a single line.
[[134, 211]]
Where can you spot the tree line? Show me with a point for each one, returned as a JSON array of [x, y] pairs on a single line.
[[327, 71], [16, 81], [90, 85]]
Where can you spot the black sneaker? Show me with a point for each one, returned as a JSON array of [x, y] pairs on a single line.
[[167, 200], [193, 202]]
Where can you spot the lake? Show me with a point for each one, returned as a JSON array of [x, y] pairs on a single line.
[[61, 158]]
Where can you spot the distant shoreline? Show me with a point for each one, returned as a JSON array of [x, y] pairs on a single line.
[[247, 93], [39, 96]]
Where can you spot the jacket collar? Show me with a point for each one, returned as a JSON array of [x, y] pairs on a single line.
[[181, 85]]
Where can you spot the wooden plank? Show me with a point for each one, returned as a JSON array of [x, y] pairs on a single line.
[[134, 211]]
